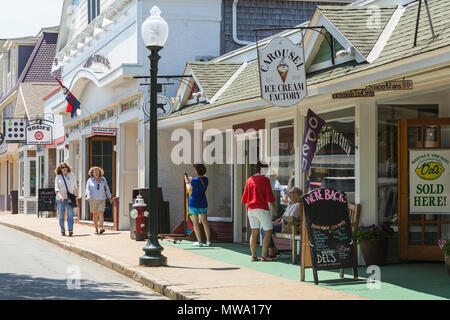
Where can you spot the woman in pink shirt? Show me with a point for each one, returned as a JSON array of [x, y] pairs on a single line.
[[257, 195]]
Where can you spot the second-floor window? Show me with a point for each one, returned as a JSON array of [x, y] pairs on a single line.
[[93, 9]]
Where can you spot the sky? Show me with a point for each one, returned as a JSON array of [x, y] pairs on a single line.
[[21, 18]]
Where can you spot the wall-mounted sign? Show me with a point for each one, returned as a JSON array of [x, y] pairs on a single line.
[[355, 93], [429, 181], [39, 134], [165, 107], [391, 85], [15, 131], [97, 59], [107, 132], [282, 73]]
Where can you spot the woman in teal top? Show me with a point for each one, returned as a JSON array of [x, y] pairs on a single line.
[[198, 203]]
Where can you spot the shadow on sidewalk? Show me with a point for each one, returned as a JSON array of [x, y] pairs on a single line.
[[23, 287]]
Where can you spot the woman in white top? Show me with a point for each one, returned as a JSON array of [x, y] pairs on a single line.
[[293, 210], [65, 181]]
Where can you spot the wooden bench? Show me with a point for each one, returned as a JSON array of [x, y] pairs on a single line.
[[294, 226]]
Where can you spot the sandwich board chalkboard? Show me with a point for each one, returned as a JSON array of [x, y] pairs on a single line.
[[46, 200], [329, 231]]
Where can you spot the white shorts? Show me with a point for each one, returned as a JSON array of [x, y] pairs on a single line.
[[260, 218]]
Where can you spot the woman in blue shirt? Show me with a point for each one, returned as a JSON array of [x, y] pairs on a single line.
[[198, 204], [97, 191]]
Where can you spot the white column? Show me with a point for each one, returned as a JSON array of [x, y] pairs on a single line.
[[366, 161]]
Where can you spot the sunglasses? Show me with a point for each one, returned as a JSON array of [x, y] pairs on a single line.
[[98, 186], [64, 168]]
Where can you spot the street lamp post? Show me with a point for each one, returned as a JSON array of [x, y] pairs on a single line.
[[155, 32]]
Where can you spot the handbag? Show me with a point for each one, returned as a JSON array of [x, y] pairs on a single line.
[[72, 198], [106, 193]]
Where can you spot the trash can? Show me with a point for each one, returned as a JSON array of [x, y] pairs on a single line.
[[15, 202]]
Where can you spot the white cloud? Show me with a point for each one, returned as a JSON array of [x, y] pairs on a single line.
[[19, 18]]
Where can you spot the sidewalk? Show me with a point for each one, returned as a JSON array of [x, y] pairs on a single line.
[[188, 275]]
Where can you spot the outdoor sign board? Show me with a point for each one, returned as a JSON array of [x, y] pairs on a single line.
[[355, 93], [429, 181], [46, 200], [15, 130], [282, 73], [39, 134], [369, 91], [329, 231], [107, 132]]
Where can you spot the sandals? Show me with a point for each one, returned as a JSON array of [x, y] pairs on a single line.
[[255, 258], [268, 259]]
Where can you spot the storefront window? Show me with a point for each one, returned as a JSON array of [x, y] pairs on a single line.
[[333, 165], [33, 178], [283, 177], [388, 152], [22, 178], [41, 172], [219, 190]]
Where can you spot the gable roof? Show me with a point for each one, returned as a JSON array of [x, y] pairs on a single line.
[[212, 77], [39, 65], [361, 26], [399, 46]]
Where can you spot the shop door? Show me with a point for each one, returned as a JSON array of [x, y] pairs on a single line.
[[101, 154], [419, 233]]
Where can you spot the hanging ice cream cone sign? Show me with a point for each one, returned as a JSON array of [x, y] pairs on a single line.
[[282, 73]]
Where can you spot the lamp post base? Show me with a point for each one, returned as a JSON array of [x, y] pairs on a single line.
[[153, 256]]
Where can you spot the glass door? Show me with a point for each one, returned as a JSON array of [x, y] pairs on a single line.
[[419, 233], [101, 154]]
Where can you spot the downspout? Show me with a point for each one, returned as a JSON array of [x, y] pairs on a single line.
[[235, 38]]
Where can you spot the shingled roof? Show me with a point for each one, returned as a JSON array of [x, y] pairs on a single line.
[[399, 46], [39, 65]]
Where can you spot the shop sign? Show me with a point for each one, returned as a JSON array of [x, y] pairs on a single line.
[[97, 59], [429, 176], [391, 85], [329, 231], [106, 132], [39, 134], [15, 131], [355, 93], [331, 136], [282, 73]]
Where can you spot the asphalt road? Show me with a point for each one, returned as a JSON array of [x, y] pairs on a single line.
[[31, 268]]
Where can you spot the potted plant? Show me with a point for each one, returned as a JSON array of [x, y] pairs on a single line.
[[373, 242], [445, 247]]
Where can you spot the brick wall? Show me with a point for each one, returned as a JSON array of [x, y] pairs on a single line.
[[258, 14]]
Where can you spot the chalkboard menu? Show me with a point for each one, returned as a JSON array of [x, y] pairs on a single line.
[[46, 199], [329, 231]]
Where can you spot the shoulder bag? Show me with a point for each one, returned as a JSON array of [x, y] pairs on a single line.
[[72, 198]]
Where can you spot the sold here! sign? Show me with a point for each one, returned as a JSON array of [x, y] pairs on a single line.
[[429, 187]]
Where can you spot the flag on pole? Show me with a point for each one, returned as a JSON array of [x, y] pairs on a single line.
[[73, 103]]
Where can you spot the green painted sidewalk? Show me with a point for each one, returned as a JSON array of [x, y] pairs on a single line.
[[408, 281]]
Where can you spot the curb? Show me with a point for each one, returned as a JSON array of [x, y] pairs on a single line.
[[135, 274]]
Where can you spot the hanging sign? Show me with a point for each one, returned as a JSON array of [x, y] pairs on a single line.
[[355, 93], [282, 73], [429, 181], [107, 132], [391, 85], [39, 134], [15, 131], [329, 231]]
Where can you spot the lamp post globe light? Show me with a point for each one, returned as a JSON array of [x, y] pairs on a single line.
[[155, 32]]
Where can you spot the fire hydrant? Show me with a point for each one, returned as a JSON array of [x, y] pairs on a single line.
[[139, 214]]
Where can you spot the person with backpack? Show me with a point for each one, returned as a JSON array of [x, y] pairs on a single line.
[[97, 192], [198, 204]]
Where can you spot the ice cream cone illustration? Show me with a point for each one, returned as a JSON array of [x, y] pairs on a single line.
[[283, 70]]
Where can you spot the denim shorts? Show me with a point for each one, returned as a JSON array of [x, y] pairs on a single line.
[[197, 211]]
